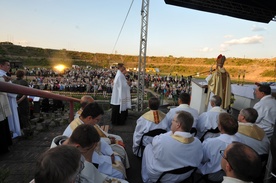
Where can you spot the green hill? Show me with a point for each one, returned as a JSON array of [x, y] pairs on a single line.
[[254, 69]]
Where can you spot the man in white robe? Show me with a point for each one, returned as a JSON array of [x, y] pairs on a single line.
[[120, 98], [104, 156], [266, 108], [13, 119], [209, 120], [184, 105], [210, 164], [115, 141], [151, 120], [86, 138], [250, 133], [174, 149]]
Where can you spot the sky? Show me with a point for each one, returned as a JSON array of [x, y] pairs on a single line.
[[94, 26]]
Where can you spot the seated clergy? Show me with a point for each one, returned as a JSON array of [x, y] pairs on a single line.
[[174, 149], [209, 120], [210, 164], [149, 121], [85, 138], [184, 105], [115, 141], [250, 133], [109, 163]]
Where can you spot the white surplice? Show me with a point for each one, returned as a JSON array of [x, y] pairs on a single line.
[[166, 153]]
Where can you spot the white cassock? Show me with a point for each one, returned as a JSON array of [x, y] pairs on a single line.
[[90, 173], [121, 92], [182, 107], [166, 153], [211, 152], [266, 108], [254, 136], [117, 147], [102, 157], [145, 124], [208, 120], [13, 119]]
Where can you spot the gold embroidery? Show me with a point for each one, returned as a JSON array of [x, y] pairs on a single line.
[[183, 139]]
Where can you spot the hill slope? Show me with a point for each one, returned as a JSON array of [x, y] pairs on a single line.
[[254, 69]]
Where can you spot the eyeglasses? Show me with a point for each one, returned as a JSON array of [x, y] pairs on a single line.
[[224, 157]]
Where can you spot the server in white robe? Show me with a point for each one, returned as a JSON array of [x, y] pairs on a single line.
[[266, 108], [174, 149], [120, 98], [5, 111], [250, 133], [13, 119], [184, 105], [209, 120], [210, 164], [104, 156], [151, 120], [85, 138]]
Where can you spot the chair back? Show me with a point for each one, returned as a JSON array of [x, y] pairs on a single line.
[[151, 133], [216, 130], [177, 171]]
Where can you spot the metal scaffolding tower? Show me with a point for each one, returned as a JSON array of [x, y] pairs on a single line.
[[142, 54]]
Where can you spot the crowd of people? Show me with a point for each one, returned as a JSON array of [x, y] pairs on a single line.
[[213, 145]]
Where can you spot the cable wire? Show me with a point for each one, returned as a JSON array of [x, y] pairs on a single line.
[[122, 26]]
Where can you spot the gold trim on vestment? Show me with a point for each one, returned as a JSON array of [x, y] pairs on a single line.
[[100, 132], [154, 116], [251, 130], [183, 139]]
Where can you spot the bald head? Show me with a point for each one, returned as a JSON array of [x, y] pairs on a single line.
[[86, 99]]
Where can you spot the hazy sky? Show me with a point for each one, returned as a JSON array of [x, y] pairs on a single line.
[[94, 25]]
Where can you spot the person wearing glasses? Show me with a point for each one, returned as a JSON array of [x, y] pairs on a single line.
[[266, 108], [108, 163], [241, 163], [60, 164], [250, 133], [175, 149], [210, 165]]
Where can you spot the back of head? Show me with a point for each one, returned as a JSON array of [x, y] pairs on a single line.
[[244, 161], [265, 88], [154, 103], [20, 74], [228, 123], [59, 164], [93, 109], [216, 100], [86, 99], [250, 114], [120, 65], [185, 98], [185, 119], [85, 135]]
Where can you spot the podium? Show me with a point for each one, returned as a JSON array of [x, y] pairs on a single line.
[[199, 95]]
